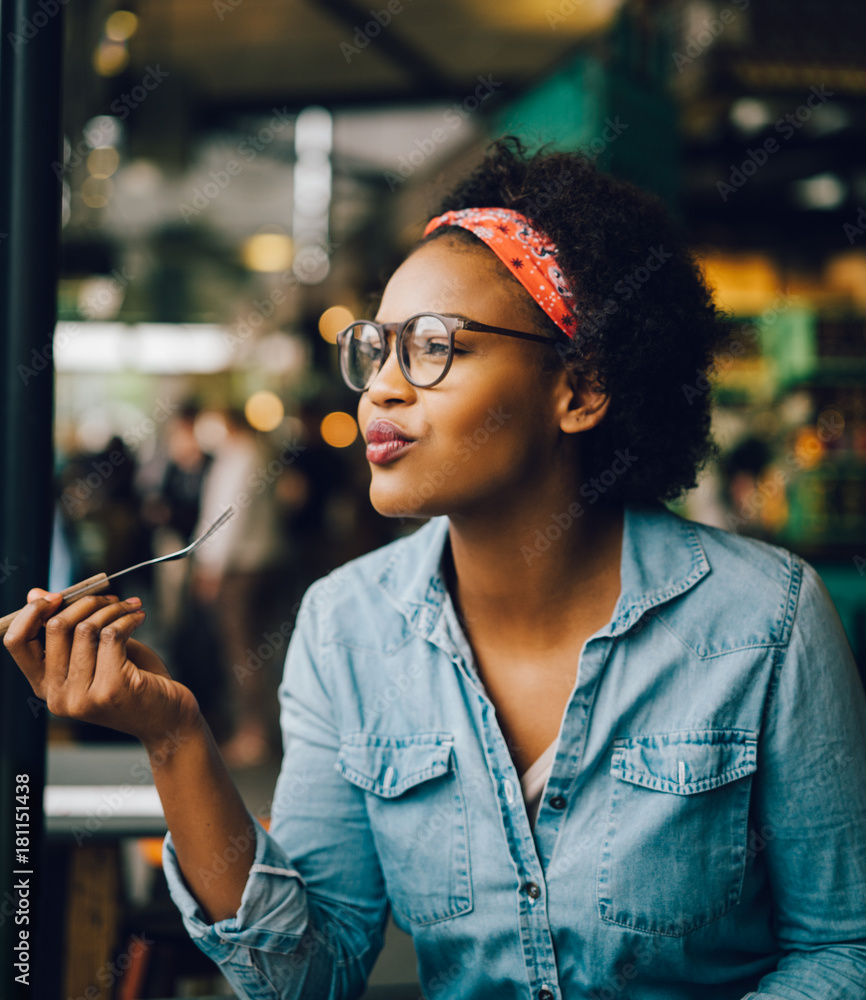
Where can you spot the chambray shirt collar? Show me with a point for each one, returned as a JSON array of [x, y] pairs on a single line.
[[662, 557]]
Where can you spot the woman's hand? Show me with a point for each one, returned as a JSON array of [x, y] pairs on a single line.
[[90, 668]]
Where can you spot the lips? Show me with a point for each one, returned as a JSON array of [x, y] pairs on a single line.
[[382, 431], [385, 441]]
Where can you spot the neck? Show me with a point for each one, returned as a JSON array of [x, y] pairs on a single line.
[[525, 578]]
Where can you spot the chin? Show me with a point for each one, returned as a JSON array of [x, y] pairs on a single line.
[[392, 507], [403, 503]]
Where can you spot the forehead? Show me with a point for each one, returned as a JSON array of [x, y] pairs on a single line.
[[446, 276]]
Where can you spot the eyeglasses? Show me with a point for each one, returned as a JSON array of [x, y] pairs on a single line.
[[424, 344]]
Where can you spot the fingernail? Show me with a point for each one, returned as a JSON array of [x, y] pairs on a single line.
[[133, 601]]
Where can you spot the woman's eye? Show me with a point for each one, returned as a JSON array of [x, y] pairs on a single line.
[[436, 347]]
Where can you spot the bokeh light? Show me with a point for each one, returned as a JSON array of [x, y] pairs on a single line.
[[332, 321], [96, 191], [102, 161], [122, 24], [338, 429], [264, 410], [267, 252], [110, 58]]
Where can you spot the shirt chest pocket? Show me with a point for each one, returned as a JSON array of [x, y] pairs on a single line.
[[674, 852], [418, 818]]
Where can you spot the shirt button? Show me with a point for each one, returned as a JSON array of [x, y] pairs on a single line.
[[545, 994], [532, 890], [557, 802]]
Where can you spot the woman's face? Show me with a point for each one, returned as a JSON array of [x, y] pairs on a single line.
[[490, 426]]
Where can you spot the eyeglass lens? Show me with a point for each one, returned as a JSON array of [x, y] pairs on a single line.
[[424, 354]]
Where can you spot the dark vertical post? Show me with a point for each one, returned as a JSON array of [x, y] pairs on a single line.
[[31, 37]]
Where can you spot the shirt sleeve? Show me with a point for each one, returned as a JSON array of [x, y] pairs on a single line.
[[811, 805], [312, 915]]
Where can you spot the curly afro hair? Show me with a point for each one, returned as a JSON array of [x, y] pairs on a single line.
[[647, 328]]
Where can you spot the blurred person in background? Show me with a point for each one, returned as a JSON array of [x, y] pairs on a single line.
[[100, 510], [745, 494], [98, 528], [170, 486], [171, 501], [236, 574]]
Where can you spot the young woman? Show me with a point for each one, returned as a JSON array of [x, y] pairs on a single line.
[[581, 747]]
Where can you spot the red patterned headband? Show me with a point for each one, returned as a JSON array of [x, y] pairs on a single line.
[[527, 253]]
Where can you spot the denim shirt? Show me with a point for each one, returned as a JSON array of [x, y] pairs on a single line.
[[702, 833]]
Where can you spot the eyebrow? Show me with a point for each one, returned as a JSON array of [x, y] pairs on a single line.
[[441, 312]]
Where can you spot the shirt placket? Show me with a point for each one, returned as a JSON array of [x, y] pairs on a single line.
[[531, 888]]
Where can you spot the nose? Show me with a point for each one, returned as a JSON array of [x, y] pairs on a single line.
[[389, 383]]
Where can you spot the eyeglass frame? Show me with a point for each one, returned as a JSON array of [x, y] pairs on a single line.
[[451, 324]]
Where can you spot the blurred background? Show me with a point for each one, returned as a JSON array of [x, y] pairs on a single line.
[[239, 179]]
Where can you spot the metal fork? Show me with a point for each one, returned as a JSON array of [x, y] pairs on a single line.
[[100, 582]]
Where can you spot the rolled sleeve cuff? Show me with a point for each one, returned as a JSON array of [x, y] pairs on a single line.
[[273, 912]]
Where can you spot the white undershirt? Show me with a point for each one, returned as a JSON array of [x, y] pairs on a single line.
[[533, 780]]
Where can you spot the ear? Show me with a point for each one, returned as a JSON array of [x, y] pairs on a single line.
[[582, 403]]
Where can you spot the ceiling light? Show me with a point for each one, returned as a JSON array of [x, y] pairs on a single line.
[[823, 191]]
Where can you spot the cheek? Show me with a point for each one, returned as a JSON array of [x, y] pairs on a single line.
[[493, 438]]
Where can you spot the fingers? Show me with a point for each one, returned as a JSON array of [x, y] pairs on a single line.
[[80, 670], [59, 636], [111, 656], [24, 642], [99, 640]]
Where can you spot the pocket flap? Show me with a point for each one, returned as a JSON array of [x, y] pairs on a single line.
[[390, 765], [685, 762]]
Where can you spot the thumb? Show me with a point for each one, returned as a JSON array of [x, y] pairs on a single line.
[[145, 658]]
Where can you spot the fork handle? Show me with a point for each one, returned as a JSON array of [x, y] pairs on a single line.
[[94, 585]]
